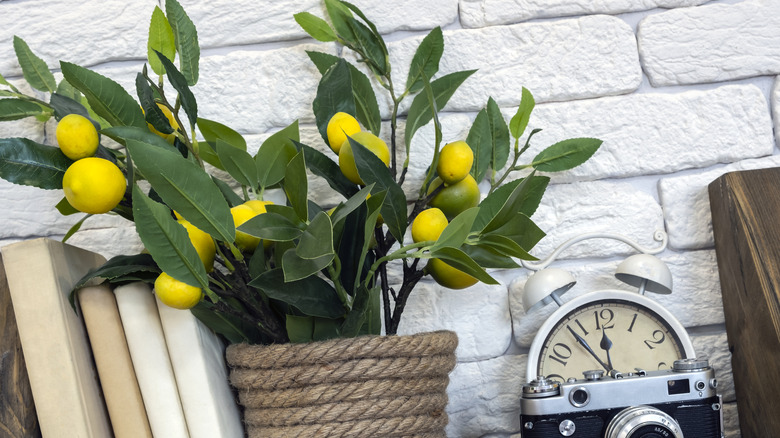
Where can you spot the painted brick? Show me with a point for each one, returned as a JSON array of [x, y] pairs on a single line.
[[481, 13], [712, 43], [562, 60], [484, 397], [74, 31], [109, 242], [569, 210], [229, 23], [776, 108], [479, 315], [656, 133], [686, 203], [695, 300], [247, 90]]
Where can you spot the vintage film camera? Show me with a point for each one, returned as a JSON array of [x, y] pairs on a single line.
[[676, 403]]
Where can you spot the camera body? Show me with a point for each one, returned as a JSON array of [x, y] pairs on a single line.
[[677, 403]]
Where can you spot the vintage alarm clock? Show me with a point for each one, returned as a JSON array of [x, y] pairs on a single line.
[[617, 331]]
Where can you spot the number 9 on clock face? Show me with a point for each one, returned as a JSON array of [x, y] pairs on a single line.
[[607, 330]]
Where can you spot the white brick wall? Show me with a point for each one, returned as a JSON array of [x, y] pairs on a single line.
[[680, 91]]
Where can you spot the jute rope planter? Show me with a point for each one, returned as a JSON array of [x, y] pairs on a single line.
[[370, 386]]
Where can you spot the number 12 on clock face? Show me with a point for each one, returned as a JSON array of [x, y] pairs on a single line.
[[610, 334]]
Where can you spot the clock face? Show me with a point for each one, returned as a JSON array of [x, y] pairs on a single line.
[[607, 330]]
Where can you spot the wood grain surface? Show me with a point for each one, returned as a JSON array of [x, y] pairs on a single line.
[[746, 224], [17, 411]]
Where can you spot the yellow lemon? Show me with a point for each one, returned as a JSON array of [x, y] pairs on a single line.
[[244, 241], [339, 127], [94, 185], [448, 276], [347, 159], [257, 205], [175, 293], [455, 160], [203, 244], [77, 137], [456, 198], [428, 225]]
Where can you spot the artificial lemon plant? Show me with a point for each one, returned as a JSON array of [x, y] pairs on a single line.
[[263, 272]]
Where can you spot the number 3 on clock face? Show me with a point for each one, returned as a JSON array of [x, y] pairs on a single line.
[[607, 330]]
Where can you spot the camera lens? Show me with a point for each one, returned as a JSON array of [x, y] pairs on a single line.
[[643, 422]]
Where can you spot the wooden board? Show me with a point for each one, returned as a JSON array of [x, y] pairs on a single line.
[[746, 224], [17, 410]]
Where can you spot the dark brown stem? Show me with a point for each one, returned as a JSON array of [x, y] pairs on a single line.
[[411, 277]]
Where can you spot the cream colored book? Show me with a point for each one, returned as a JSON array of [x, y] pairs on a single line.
[[64, 383], [198, 359], [112, 358], [151, 361]]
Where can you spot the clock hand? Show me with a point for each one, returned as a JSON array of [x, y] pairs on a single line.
[[584, 343], [606, 344]]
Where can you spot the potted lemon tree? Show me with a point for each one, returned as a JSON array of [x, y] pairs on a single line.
[[294, 285]]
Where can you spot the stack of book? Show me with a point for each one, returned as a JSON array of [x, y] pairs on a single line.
[[122, 364]]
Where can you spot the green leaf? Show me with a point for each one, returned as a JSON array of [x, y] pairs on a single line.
[[368, 44], [296, 186], [161, 40], [343, 210], [64, 88], [366, 107], [28, 163], [334, 94], [377, 36], [120, 266], [238, 163], [457, 230], [97, 120], [420, 112], [505, 246], [489, 258], [425, 62], [315, 26], [167, 241], [297, 268], [186, 40], [15, 109], [212, 131], [73, 229], [322, 166], [480, 141], [234, 329], [520, 120], [519, 196], [65, 208], [153, 113], [317, 240], [184, 187], [64, 105], [373, 171], [357, 316], [374, 204], [300, 329], [275, 154], [326, 328], [340, 16], [34, 69], [121, 134], [3, 81], [313, 296], [272, 226], [230, 196], [499, 136], [522, 230], [566, 154], [461, 261], [107, 98], [181, 84]]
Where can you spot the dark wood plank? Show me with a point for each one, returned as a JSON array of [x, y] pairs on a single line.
[[17, 411], [746, 224]]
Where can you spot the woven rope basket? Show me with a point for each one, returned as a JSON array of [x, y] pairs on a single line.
[[369, 386]]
